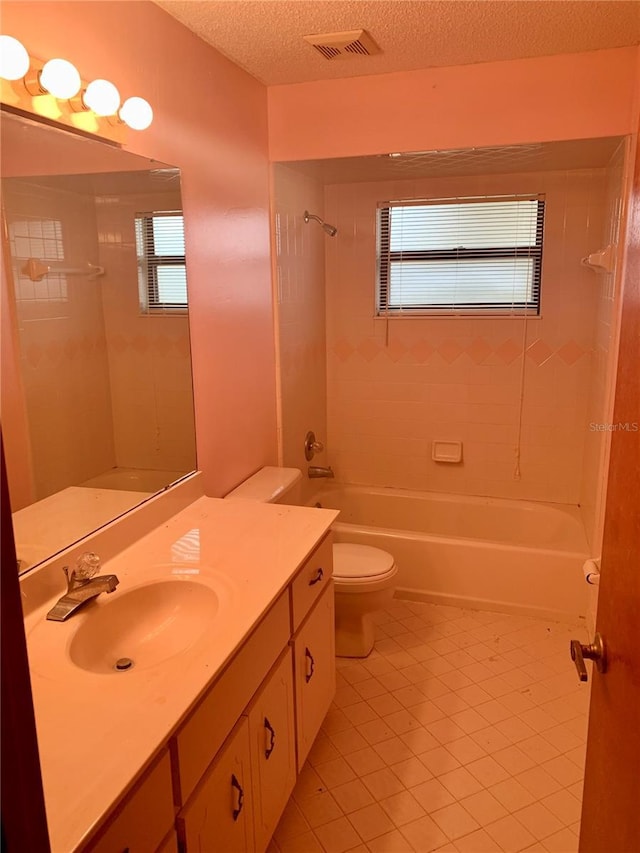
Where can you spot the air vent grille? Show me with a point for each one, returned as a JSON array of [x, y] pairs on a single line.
[[345, 45]]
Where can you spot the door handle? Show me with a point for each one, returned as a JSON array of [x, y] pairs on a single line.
[[317, 578], [235, 784], [272, 738], [592, 651], [309, 665]]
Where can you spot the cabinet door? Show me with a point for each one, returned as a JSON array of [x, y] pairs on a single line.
[[315, 671], [218, 818], [273, 749], [143, 818]]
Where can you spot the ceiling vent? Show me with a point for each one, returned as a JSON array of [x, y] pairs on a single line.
[[346, 45]]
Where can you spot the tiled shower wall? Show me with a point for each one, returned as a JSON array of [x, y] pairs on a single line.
[[600, 401], [299, 279], [63, 357], [149, 354], [394, 388]]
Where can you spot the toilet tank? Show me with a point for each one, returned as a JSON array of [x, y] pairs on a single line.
[[271, 485]]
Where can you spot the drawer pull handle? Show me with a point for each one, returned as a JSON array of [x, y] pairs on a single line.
[[272, 738], [235, 784], [310, 667], [318, 577]]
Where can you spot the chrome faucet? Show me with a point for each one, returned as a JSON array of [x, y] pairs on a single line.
[[315, 471], [82, 585]]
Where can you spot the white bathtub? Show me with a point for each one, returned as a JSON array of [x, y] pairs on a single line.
[[515, 556]]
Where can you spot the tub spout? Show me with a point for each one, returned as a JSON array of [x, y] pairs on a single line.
[[316, 471]]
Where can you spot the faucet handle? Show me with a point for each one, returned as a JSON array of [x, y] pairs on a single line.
[[87, 566]]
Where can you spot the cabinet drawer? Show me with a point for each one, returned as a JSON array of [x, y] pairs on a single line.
[[145, 817], [196, 744], [314, 671], [311, 581], [273, 749], [218, 818]]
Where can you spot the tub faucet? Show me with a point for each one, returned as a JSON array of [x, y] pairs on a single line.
[[315, 471], [82, 585]]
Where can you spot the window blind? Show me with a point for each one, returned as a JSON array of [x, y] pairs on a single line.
[[162, 272], [460, 255]]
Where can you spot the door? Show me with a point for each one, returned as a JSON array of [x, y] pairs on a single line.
[[314, 671], [611, 802], [218, 817], [273, 749]]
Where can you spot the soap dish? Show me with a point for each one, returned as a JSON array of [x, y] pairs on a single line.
[[446, 451]]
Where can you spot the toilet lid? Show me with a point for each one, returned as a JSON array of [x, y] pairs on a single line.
[[360, 561]]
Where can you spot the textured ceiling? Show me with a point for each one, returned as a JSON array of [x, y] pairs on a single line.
[[265, 36], [540, 157]]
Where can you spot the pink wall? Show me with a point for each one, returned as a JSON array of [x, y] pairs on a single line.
[[211, 121], [458, 379], [571, 96]]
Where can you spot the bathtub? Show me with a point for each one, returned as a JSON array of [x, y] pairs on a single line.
[[507, 555]]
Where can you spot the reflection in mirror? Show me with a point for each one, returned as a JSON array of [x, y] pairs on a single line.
[[97, 403]]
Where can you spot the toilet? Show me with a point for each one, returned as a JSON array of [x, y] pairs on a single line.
[[364, 577]]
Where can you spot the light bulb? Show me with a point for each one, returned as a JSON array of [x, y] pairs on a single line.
[[14, 59], [60, 78], [137, 113], [102, 97]]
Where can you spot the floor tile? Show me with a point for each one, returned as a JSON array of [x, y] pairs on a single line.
[[487, 771], [452, 736], [350, 797], [460, 783], [335, 772], [411, 772], [538, 820], [564, 806], [424, 834], [510, 834], [391, 842], [432, 795], [371, 821], [383, 783], [338, 836], [484, 807], [454, 821], [319, 808], [402, 808], [364, 761], [439, 760]]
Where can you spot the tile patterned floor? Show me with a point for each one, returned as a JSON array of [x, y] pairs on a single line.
[[463, 732]]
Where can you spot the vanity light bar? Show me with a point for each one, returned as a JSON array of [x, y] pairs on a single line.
[[59, 79]]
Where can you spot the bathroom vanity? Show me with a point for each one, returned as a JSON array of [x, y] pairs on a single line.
[[226, 610]]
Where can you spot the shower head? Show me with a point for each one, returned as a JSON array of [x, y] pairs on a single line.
[[331, 230]]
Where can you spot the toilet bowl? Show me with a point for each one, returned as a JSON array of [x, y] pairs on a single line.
[[364, 579], [363, 576]]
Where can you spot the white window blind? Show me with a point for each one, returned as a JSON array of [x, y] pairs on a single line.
[[162, 273], [461, 255]]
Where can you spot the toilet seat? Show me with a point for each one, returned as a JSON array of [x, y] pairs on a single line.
[[361, 564]]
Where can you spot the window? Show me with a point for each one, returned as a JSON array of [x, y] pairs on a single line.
[[460, 255], [162, 274]]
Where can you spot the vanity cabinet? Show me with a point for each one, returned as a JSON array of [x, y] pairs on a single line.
[[232, 764]]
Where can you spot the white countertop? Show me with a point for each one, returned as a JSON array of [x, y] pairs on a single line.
[[97, 731]]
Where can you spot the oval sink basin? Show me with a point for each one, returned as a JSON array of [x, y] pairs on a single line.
[[146, 626]]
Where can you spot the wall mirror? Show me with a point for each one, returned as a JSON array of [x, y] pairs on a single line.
[[97, 402]]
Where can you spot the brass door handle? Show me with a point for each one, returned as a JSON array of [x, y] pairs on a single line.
[[592, 651]]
